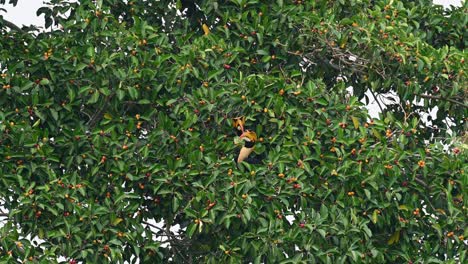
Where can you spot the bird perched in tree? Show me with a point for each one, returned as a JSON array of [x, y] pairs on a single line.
[[250, 138]]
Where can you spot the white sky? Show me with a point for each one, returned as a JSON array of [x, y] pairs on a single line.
[[25, 12]]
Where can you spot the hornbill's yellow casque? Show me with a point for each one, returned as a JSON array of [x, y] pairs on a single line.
[[239, 123]]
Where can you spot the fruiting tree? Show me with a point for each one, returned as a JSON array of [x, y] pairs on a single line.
[[116, 139]]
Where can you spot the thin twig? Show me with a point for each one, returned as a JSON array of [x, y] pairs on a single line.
[[152, 225], [98, 114], [424, 184], [375, 98], [174, 247], [11, 25], [442, 98]]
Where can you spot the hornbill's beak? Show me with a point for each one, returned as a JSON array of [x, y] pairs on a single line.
[[250, 138], [239, 123]]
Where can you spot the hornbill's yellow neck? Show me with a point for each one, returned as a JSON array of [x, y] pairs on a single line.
[[250, 138], [239, 123]]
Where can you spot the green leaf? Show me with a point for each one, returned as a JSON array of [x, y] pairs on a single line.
[[175, 204], [394, 238], [54, 114], [322, 101], [191, 230], [120, 94], [133, 92], [44, 81], [322, 232], [247, 214], [171, 101], [94, 98], [376, 134], [117, 221], [374, 216], [403, 207]]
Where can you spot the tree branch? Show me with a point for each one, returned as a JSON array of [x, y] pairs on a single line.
[[11, 25], [421, 182], [442, 98], [98, 114], [153, 226], [375, 98]]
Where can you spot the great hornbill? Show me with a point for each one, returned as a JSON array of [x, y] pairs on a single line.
[[249, 137]]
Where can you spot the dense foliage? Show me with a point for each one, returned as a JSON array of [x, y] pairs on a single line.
[[116, 138]]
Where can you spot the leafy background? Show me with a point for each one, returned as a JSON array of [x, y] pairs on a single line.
[[120, 119]]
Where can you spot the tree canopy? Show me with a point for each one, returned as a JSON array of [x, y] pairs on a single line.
[[117, 145]]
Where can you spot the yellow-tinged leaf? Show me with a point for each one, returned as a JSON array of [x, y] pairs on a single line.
[[376, 133], [107, 116], [206, 29], [353, 216], [355, 122], [403, 207], [200, 227], [441, 211], [237, 141], [374, 217], [117, 221], [394, 238], [36, 123]]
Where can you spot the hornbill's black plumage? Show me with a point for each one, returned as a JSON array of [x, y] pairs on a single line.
[[250, 138]]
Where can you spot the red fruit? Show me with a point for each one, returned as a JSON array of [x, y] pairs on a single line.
[[211, 205], [301, 225], [72, 261], [404, 183], [297, 186], [227, 66], [157, 200]]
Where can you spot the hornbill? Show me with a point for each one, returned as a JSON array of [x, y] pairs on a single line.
[[250, 138]]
